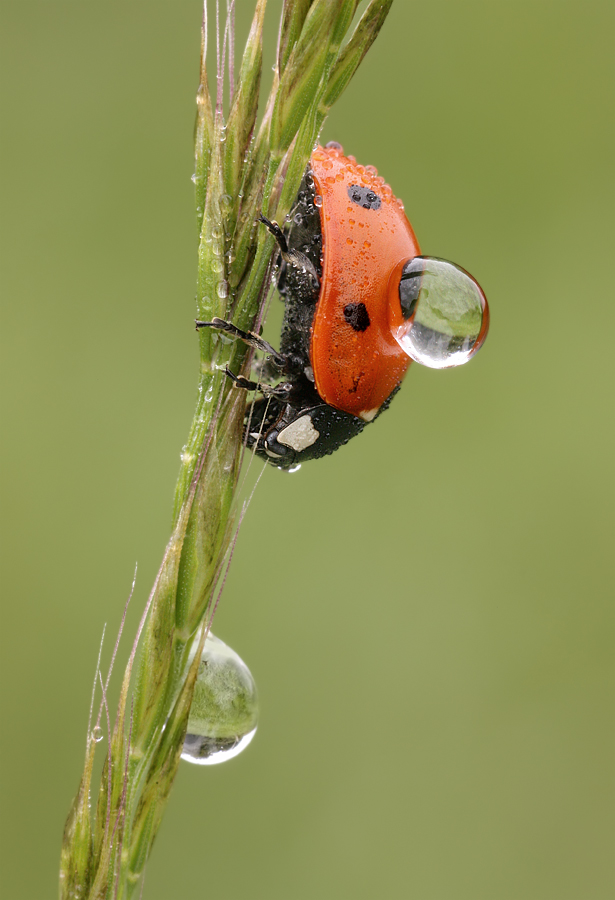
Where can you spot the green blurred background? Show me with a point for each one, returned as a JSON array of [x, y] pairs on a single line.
[[427, 611]]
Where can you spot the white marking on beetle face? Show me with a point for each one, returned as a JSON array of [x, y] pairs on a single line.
[[299, 434], [369, 414]]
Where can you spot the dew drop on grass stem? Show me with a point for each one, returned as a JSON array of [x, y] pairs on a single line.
[[224, 710]]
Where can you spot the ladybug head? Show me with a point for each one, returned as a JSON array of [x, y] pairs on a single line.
[[439, 315]]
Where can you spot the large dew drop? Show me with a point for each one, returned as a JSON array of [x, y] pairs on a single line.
[[446, 312], [224, 710]]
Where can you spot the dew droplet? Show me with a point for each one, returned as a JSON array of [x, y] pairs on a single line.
[[222, 290], [217, 266], [293, 469], [193, 178], [97, 734], [224, 710], [446, 312], [318, 201], [217, 232]]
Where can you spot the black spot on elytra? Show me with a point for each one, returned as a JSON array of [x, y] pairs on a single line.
[[364, 197], [357, 316]]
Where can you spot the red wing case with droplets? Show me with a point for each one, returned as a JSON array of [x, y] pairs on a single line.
[[356, 370]]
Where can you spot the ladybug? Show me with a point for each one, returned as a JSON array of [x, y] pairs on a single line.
[[360, 303]]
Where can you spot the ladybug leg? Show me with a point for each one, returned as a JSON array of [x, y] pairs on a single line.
[[291, 257], [278, 234], [280, 391], [248, 337]]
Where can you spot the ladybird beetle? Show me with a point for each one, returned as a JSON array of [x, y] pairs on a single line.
[[360, 303]]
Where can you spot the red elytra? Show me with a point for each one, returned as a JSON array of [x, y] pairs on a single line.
[[364, 251]]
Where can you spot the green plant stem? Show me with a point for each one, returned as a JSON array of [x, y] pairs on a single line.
[[236, 177]]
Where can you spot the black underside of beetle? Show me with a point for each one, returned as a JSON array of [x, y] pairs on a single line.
[[296, 285], [269, 416]]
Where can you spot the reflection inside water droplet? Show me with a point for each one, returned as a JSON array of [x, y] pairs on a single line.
[[446, 313], [224, 710], [206, 751]]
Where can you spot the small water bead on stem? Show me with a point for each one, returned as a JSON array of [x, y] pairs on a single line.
[[224, 711], [226, 203], [446, 312]]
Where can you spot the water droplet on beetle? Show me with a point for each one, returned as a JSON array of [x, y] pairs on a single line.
[[318, 201], [224, 710], [446, 312]]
